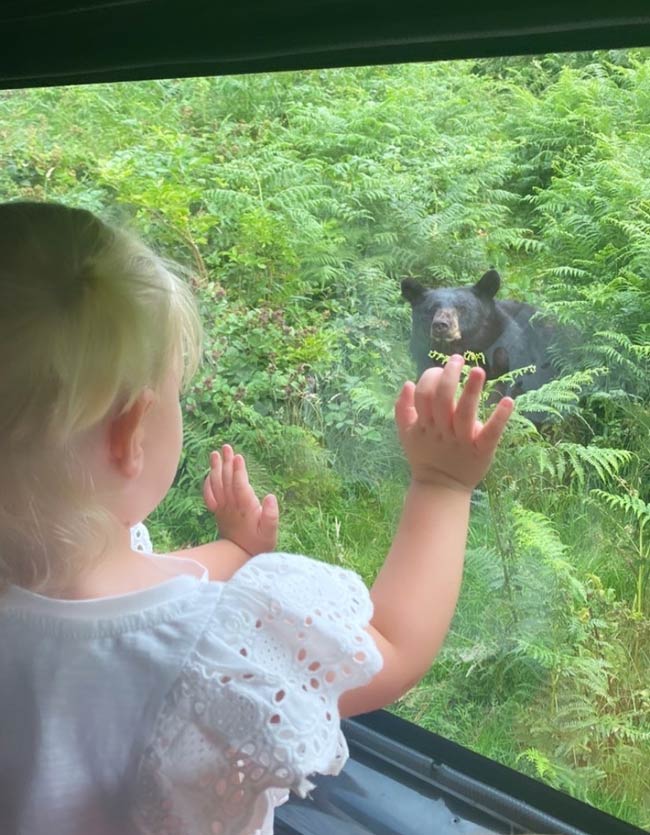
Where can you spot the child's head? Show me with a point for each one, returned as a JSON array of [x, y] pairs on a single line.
[[92, 323]]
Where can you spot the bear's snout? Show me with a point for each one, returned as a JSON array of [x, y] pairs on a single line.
[[445, 325]]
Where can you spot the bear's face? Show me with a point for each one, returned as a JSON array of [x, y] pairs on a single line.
[[449, 320]]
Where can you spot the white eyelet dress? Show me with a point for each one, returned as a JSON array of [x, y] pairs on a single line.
[[190, 708]]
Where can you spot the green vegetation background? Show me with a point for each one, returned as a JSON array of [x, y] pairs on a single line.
[[299, 201]]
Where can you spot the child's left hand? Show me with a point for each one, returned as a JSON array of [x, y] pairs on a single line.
[[239, 515]]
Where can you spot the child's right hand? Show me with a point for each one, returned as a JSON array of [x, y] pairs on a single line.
[[445, 444], [240, 516], [415, 593]]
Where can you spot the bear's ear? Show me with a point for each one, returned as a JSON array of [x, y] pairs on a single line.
[[412, 290], [488, 284]]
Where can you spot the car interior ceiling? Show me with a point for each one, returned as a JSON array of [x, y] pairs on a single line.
[[64, 42]]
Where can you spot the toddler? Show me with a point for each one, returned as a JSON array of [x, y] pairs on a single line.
[[181, 694]]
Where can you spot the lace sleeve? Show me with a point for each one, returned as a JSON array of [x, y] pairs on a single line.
[[256, 706], [140, 539]]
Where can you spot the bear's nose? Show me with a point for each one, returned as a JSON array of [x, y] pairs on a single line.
[[439, 326]]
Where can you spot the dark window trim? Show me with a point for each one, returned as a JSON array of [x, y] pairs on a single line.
[[64, 42], [475, 778]]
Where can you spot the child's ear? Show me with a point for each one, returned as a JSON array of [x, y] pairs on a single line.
[[126, 434]]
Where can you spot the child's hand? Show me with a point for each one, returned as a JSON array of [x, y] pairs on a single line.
[[239, 515], [444, 442]]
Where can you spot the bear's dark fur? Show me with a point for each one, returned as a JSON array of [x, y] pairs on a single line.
[[453, 320]]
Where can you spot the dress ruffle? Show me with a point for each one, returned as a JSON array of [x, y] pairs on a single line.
[[254, 711], [140, 540]]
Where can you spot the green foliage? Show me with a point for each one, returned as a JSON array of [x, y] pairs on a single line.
[[298, 201]]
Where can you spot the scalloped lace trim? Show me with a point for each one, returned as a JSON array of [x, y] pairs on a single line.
[[255, 709], [140, 539]]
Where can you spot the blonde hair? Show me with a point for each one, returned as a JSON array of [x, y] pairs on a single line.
[[89, 317]]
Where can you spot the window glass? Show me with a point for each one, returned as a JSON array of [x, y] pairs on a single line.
[[301, 201]]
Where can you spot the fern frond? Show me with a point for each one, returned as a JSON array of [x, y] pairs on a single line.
[[630, 504], [606, 463], [559, 397]]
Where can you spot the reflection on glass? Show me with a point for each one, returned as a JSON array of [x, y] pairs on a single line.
[[312, 209]]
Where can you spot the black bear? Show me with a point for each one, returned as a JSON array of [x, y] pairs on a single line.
[[454, 320]]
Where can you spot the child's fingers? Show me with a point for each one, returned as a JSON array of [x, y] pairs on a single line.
[[227, 456], [243, 493], [442, 405], [208, 495], [405, 411], [425, 392], [269, 519], [467, 406], [489, 436], [216, 481]]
